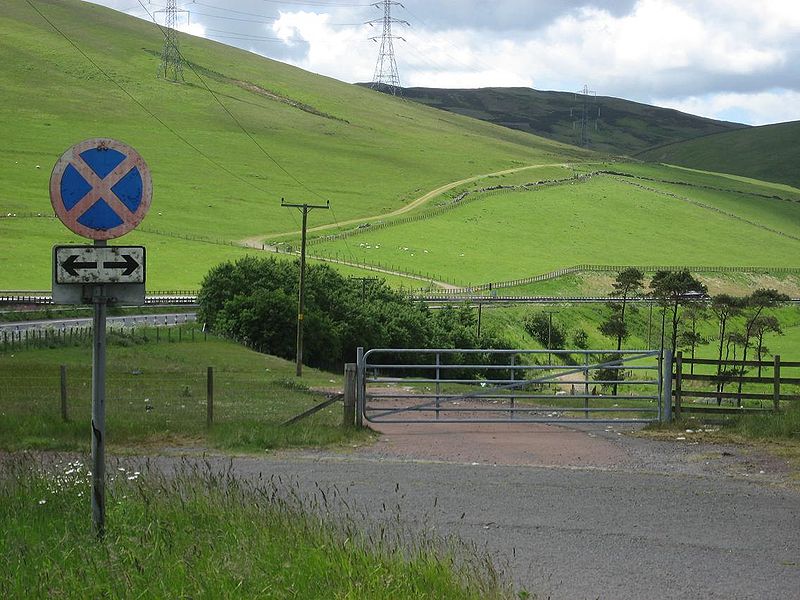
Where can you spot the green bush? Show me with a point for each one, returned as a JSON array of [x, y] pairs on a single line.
[[254, 300]]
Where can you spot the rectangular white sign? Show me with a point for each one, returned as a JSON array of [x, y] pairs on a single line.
[[99, 264]]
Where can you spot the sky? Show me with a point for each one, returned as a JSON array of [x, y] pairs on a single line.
[[736, 60]]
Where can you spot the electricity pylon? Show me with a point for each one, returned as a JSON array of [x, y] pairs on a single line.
[[386, 68], [171, 66]]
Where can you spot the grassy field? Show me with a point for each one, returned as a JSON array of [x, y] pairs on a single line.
[[193, 535], [365, 152], [769, 152], [156, 397], [605, 220]]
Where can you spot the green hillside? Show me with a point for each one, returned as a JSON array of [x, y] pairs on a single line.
[[633, 215], [616, 126], [306, 138], [770, 152]]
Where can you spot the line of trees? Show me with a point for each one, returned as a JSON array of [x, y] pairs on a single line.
[[684, 301], [254, 301]]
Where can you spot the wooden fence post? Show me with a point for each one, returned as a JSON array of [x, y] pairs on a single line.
[[349, 414], [210, 397], [776, 383], [678, 380], [64, 415], [666, 385]]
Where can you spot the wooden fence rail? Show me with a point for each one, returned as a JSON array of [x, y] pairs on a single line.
[[774, 383]]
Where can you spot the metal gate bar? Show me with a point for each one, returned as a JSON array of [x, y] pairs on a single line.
[[378, 373]]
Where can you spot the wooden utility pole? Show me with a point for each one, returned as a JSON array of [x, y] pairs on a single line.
[[301, 300]]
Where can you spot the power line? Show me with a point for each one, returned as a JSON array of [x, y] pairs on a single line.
[[140, 104], [322, 4], [247, 133], [235, 120], [230, 10], [386, 74]]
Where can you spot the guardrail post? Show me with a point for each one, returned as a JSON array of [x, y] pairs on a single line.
[[776, 383], [349, 414], [678, 383], [210, 396], [64, 415], [666, 386]]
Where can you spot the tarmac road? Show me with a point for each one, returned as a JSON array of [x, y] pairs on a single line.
[[653, 526]]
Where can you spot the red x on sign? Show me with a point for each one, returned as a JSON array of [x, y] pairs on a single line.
[[101, 189]]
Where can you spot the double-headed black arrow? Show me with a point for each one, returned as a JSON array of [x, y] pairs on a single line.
[[71, 265], [130, 264]]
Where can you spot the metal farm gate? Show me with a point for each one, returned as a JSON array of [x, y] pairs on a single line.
[[519, 386]]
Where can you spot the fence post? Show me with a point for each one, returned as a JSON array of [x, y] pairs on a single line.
[[64, 415], [666, 386], [678, 382], [210, 396], [349, 414], [776, 383]]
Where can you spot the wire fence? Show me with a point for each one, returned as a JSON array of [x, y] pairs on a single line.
[[155, 400], [81, 335]]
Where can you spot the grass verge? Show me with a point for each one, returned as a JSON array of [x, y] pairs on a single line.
[[156, 396], [192, 535]]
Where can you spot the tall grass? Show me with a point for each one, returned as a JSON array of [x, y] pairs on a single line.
[[770, 426], [203, 533]]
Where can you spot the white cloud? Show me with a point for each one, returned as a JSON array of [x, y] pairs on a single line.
[[333, 51], [756, 109], [197, 29]]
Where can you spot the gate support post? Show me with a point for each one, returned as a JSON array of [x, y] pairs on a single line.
[[666, 387], [349, 415], [361, 391]]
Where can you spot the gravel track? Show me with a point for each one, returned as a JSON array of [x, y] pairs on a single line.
[[575, 512]]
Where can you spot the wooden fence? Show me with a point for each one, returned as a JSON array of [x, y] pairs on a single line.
[[773, 387]]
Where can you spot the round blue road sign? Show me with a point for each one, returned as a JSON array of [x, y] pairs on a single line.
[[101, 189]]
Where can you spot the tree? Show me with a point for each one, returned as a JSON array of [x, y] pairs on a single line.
[[628, 282], [690, 338], [254, 301], [762, 325], [725, 307], [755, 304], [673, 289], [548, 332], [581, 339]]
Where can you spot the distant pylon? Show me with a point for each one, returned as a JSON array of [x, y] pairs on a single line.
[[171, 66], [386, 68], [588, 96]]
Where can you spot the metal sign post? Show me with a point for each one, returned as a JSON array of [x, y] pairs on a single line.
[[100, 189], [99, 406]]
